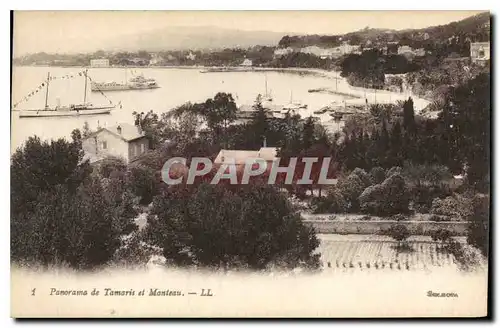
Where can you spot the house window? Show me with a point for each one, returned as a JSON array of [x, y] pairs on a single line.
[[142, 148], [104, 145]]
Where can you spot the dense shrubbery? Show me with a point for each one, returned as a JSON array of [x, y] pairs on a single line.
[[457, 207], [333, 202], [388, 198]]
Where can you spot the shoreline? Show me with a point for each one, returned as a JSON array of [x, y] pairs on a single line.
[[371, 95]]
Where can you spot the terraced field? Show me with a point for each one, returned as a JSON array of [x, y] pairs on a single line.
[[373, 252]]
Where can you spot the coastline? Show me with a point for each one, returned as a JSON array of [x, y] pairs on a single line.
[[373, 96]]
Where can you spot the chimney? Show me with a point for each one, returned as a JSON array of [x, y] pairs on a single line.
[[264, 145], [119, 129]]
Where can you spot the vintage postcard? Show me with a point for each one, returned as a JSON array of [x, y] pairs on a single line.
[[271, 164]]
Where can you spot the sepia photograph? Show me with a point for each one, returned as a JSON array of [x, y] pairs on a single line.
[[250, 164]]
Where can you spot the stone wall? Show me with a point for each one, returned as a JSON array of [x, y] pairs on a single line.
[[378, 227]]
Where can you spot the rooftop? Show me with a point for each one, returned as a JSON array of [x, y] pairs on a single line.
[[240, 156], [125, 131]]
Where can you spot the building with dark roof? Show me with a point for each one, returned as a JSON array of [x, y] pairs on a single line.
[[123, 140]]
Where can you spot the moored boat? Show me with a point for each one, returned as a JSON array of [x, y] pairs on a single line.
[[84, 108], [66, 111], [138, 82], [294, 105]]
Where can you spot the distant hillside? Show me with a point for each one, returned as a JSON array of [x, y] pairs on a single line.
[[182, 38], [476, 27]]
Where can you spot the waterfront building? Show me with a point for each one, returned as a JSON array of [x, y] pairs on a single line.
[[282, 52], [155, 60], [247, 63], [123, 140], [101, 62]]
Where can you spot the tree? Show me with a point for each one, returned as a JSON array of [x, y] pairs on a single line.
[[396, 145], [409, 116], [219, 113], [259, 124], [468, 124], [40, 166], [86, 129], [478, 232], [308, 133], [61, 212], [215, 226], [148, 122]]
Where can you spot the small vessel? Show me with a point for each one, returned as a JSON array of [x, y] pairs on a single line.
[[138, 82], [141, 79], [216, 70], [267, 96], [294, 105], [84, 108], [322, 110]]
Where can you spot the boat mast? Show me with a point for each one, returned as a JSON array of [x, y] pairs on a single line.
[[266, 95], [85, 91], [47, 91]]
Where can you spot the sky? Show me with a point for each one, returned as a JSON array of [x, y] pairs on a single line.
[[73, 31]]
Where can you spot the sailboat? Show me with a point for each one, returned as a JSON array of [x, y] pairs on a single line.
[[84, 108], [267, 96], [293, 105]]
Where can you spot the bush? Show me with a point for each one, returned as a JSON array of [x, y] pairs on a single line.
[[142, 182], [351, 188], [388, 198], [111, 164], [365, 178], [394, 170], [423, 196], [438, 218], [334, 202], [398, 217], [456, 206], [441, 235], [399, 232], [377, 175]]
